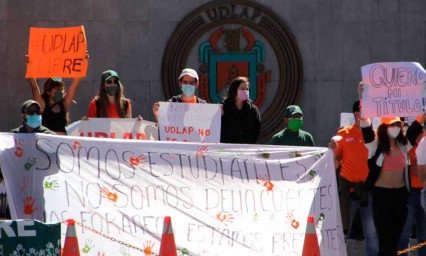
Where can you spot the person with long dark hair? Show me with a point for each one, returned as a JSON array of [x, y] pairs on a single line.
[[241, 118], [110, 101], [389, 179]]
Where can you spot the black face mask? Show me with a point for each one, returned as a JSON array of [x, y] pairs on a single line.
[[111, 90], [58, 96]]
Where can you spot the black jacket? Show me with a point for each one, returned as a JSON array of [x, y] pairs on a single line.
[[240, 126]]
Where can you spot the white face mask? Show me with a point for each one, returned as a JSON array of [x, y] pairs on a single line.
[[394, 131]]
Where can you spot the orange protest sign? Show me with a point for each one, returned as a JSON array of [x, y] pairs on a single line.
[[57, 52]]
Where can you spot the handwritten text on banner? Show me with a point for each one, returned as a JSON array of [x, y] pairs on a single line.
[[222, 199], [57, 52]]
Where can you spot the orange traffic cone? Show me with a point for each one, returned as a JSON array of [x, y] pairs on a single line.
[[168, 245], [71, 242], [310, 246]]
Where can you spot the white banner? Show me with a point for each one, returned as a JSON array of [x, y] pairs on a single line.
[[222, 199], [120, 128], [393, 89], [189, 122]]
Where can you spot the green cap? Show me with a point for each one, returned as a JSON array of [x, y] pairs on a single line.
[[291, 110], [107, 74]]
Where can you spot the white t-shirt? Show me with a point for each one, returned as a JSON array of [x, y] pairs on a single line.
[[421, 152]]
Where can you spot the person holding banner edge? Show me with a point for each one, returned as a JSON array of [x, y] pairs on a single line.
[[54, 102], [31, 123], [188, 82], [351, 155], [241, 118]]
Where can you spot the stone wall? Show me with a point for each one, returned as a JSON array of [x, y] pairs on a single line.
[[335, 39]]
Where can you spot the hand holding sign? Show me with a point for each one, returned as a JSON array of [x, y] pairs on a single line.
[[393, 89], [57, 52]]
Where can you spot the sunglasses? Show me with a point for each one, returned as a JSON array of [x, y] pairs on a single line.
[[32, 112], [109, 81]]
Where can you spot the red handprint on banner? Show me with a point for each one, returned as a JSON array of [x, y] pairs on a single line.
[[108, 194], [264, 182], [201, 151], [19, 151], [29, 202], [76, 145], [135, 161], [223, 217], [293, 222], [148, 247]]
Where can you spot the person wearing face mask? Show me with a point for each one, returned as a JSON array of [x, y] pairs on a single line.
[[55, 102], [388, 179], [110, 101], [241, 118], [188, 82], [293, 135], [31, 123], [32, 119]]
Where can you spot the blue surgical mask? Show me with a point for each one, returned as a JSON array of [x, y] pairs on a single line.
[[33, 121], [188, 89]]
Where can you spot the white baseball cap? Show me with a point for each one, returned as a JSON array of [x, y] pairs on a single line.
[[189, 72]]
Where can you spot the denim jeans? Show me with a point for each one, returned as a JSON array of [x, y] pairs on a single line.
[[416, 215], [368, 228]]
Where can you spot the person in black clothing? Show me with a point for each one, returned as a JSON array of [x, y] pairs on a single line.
[[241, 118], [54, 102]]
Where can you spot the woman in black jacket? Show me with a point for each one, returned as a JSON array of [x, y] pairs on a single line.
[[241, 118]]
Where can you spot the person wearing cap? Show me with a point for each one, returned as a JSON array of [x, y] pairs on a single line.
[[32, 119], [351, 156], [388, 179], [110, 101], [31, 123], [188, 82], [54, 102], [292, 135], [416, 214], [241, 118]]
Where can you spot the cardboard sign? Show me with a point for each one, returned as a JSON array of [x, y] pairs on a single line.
[[189, 122], [114, 128], [222, 199], [57, 52], [393, 89]]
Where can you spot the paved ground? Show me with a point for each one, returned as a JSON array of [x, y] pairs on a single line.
[[356, 248]]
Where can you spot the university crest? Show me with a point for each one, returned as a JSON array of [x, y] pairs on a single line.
[[223, 40]]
